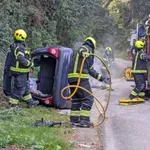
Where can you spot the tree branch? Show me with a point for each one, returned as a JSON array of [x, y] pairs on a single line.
[[107, 3]]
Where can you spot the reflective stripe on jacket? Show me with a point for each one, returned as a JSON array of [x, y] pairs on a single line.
[[75, 65], [139, 63], [21, 61]]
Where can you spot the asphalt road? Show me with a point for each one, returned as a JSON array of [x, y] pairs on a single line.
[[127, 127]]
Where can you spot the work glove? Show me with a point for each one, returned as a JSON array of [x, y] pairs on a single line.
[[105, 80]]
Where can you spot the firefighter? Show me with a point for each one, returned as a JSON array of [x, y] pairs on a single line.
[[108, 59], [82, 102], [19, 70], [139, 69]]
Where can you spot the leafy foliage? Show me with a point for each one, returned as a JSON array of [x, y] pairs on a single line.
[[126, 14], [62, 22], [52, 21], [66, 22]]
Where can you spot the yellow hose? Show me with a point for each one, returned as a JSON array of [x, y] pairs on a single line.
[[77, 86]]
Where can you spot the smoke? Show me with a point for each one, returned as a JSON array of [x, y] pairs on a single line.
[[77, 45], [117, 70], [97, 66]]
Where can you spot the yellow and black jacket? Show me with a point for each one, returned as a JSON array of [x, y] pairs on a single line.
[[88, 69], [139, 64], [108, 60], [21, 58]]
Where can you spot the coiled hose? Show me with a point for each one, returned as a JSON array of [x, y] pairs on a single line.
[[103, 112]]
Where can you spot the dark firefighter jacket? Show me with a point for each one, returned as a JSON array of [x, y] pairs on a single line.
[[21, 58], [108, 60], [139, 64], [74, 68]]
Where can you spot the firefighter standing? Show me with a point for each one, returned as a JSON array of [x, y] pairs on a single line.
[[19, 70], [82, 102], [108, 59], [139, 69]]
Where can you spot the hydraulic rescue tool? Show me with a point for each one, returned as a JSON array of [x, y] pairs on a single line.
[[126, 102], [47, 123]]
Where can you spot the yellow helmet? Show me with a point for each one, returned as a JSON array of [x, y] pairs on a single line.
[[108, 48], [139, 44], [92, 40], [20, 35]]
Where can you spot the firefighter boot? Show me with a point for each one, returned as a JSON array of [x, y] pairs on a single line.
[[143, 98], [32, 103], [14, 106], [85, 122]]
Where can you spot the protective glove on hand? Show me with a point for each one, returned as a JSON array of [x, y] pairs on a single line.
[[105, 80]]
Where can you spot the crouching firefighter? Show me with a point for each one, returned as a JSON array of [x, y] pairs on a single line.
[[139, 70], [19, 70], [82, 102]]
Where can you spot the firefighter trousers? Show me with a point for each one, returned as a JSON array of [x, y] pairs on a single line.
[[20, 89], [140, 85], [81, 102]]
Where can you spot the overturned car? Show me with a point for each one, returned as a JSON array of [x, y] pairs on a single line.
[[53, 65]]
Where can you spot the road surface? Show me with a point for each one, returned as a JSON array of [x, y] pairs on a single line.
[[127, 127]]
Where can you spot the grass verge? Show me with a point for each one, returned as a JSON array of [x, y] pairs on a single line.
[[16, 128]]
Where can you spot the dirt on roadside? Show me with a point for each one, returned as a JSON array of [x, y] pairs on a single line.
[[87, 138], [3, 99]]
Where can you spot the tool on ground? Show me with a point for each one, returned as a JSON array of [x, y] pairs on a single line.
[[126, 102], [132, 101], [47, 123]]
